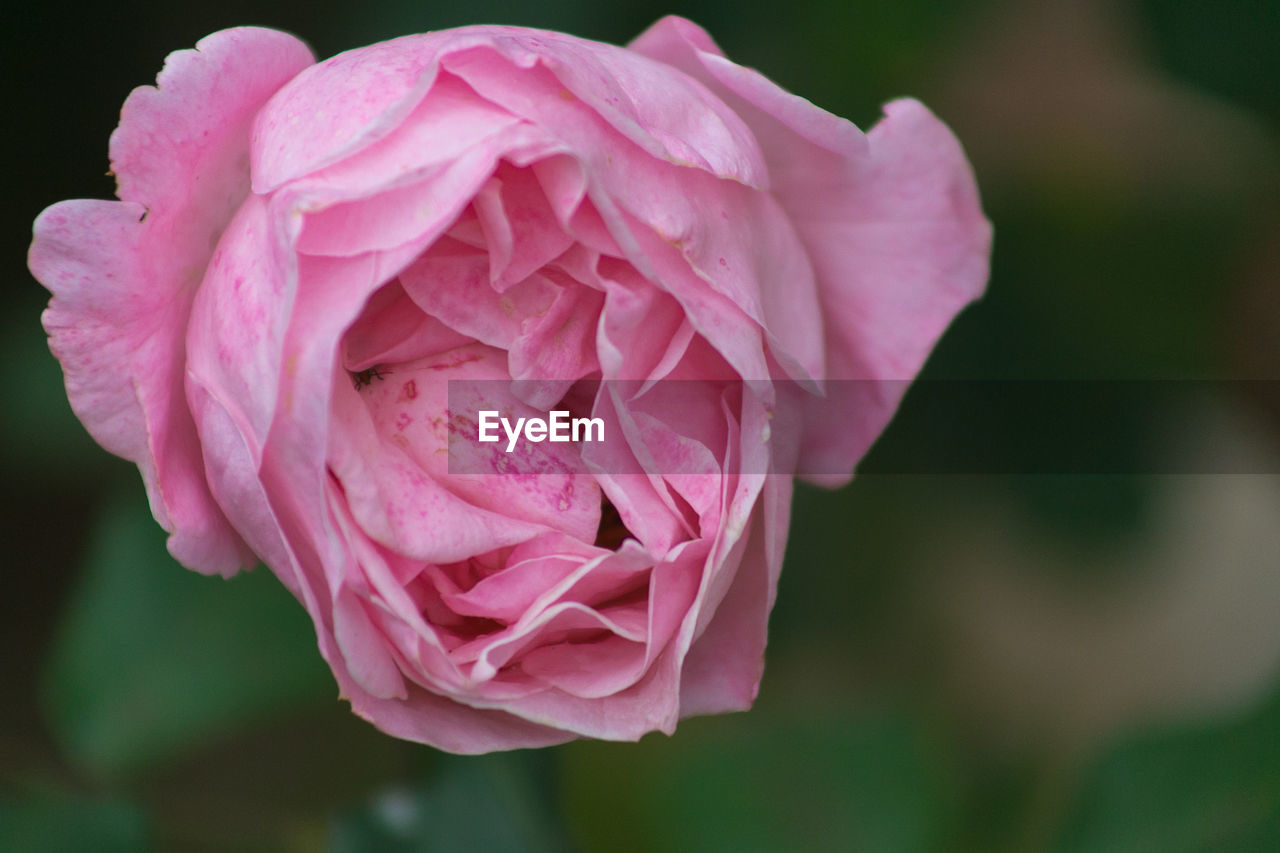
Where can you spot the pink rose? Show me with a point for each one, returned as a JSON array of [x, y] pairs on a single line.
[[305, 255]]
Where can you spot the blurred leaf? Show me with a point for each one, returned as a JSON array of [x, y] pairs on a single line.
[[152, 659], [58, 824], [485, 803], [1227, 46], [862, 783], [1088, 513], [1206, 788]]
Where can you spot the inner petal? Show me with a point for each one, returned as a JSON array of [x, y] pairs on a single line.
[[534, 482], [520, 211], [451, 282], [392, 329]]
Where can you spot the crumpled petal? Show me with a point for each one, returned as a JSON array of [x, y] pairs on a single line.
[[123, 274], [353, 100], [891, 222]]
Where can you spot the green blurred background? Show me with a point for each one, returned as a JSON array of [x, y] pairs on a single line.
[[972, 663]]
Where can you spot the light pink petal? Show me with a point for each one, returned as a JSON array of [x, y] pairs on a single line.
[[892, 224], [380, 577], [393, 329], [520, 225], [650, 704], [898, 257], [605, 667], [559, 346], [402, 214], [231, 469], [507, 594], [642, 331], [723, 666], [123, 274], [738, 499], [613, 577], [781, 122], [170, 155], [238, 320], [564, 183], [536, 572], [401, 506], [559, 621], [725, 660], [451, 283], [678, 422], [715, 317], [442, 722], [426, 407], [356, 99], [423, 716], [757, 267], [662, 438], [345, 103], [631, 482], [592, 670], [602, 577], [665, 114], [726, 244], [668, 412], [449, 121], [331, 293], [364, 649], [710, 242]]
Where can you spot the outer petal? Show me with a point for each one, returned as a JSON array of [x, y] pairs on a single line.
[[421, 716], [357, 98], [123, 274], [892, 224], [722, 669], [899, 252]]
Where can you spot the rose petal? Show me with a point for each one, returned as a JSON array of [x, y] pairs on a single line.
[[642, 332], [123, 274], [507, 594], [722, 667], [898, 257], [451, 283], [558, 347], [385, 220], [334, 109], [521, 227], [892, 223], [667, 115], [539, 483], [364, 650], [392, 329], [652, 701], [400, 505]]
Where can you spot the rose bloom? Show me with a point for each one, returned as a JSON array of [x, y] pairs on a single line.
[[304, 255]]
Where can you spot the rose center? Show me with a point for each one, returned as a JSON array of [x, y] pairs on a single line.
[[612, 531]]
